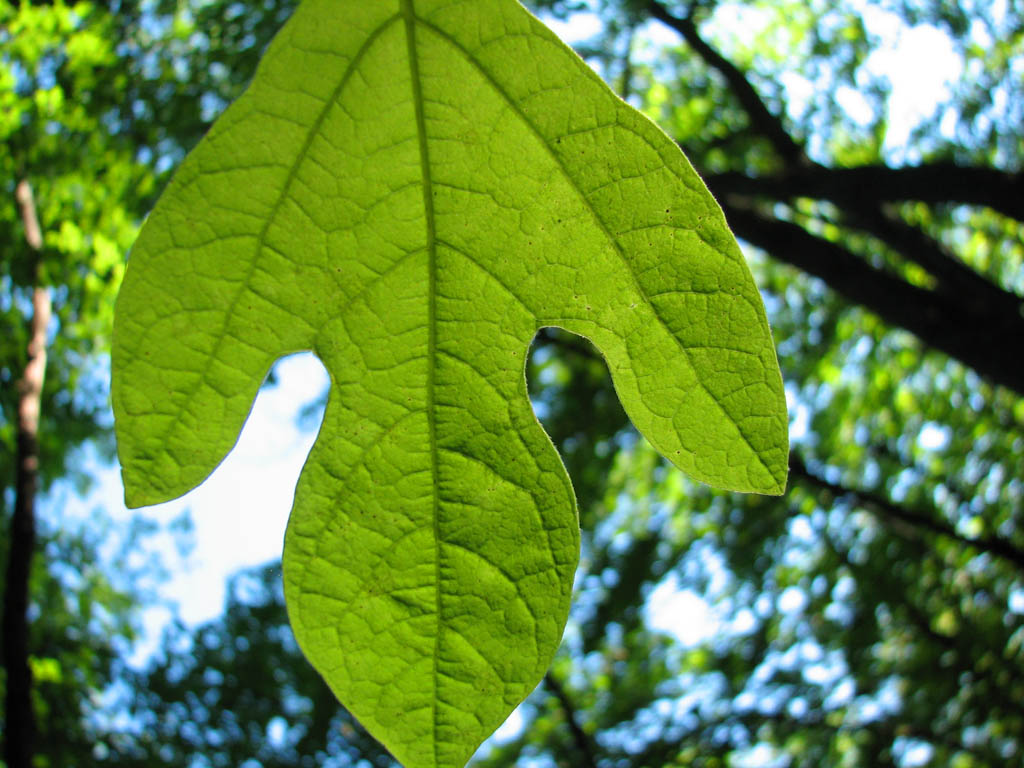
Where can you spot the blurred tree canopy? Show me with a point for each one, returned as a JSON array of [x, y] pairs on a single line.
[[872, 616]]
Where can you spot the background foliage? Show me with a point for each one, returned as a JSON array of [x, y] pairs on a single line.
[[874, 615]]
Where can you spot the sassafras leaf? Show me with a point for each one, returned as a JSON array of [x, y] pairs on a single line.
[[411, 189]]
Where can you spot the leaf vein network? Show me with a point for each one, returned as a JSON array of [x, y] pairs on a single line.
[[285, 188], [598, 219]]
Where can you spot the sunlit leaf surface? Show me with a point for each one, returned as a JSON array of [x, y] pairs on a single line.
[[411, 189]]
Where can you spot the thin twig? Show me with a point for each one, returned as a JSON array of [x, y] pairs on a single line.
[[579, 736]]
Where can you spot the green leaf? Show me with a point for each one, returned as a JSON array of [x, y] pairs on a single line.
[[411, 189]]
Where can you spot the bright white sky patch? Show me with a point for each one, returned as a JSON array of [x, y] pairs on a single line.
[[511, 728], [855, 105], [760, 756], [579, 28], [1016, 601], [681, 613], [792, 600], [933, 437], [913, 753], [241, 511], [920, 64]]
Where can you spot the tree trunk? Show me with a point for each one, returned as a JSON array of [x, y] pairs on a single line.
[[20, 726]]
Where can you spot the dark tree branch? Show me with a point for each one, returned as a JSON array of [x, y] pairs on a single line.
[[969, 318], [763, 120], [859, 192], [579, 736], [977, 295], [19, 723], [942, 321], [950, 273], [867, 185], [626, 78], [885, 508]]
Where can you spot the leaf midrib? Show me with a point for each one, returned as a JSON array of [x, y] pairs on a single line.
[[409, 15]]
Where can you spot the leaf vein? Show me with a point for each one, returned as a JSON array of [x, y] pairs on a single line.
[[598, 219]]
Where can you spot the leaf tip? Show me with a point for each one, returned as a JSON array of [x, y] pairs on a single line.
[[781, 483], [134, 495]]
